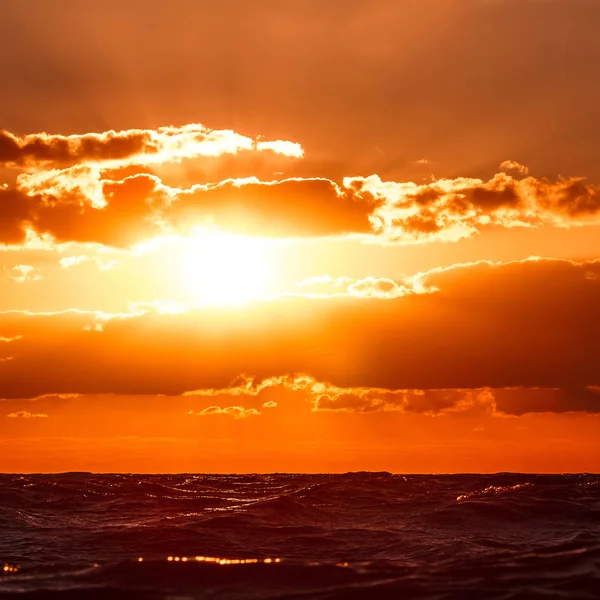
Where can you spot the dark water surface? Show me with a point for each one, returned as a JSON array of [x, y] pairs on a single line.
[[359, 535]]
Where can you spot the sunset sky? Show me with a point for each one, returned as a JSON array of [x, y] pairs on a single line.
[[306, 235]]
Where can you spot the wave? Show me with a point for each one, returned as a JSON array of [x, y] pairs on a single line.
[[324, 536]]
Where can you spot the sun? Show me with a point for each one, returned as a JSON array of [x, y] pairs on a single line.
[[223, 270]]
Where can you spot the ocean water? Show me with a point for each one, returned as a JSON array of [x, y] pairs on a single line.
[[358, 535]]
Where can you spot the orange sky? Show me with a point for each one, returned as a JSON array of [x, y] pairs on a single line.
[[291, 237]]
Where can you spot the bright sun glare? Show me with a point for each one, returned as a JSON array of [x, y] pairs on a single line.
[[221, 269]]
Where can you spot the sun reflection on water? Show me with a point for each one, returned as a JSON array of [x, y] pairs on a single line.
[[222, 561], [10, 568]]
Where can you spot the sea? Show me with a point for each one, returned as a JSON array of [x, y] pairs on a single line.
[[343, 536]]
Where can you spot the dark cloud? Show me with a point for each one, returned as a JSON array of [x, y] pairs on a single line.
[[16, 213], [129, 216], [323, 396], [79, 205], [519, 401], [140, 207], [126, 217], [133, 146], [435, 402], [520, 324], [67, 150], [282, 397], [451, 209], [293, 207]]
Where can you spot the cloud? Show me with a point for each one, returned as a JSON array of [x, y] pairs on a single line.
[[326, 280], [512, 165], [23, 273], [322, 286], [372, 287], [237, 412], [429, 402], [7, 340], [323, 396], [43, 148], [140, 207], [125, 218], [291, 207], [79, 205], [492, 401], [283, 147], [71, 261], [16, 212], [131, 147], [244, 385], [482, 325], [66, 190], [548, 400], [23, 414], [452, 209], [299, 396], [326, 286]]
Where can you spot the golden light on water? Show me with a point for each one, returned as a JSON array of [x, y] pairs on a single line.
[[222, 561], [10, 568]]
